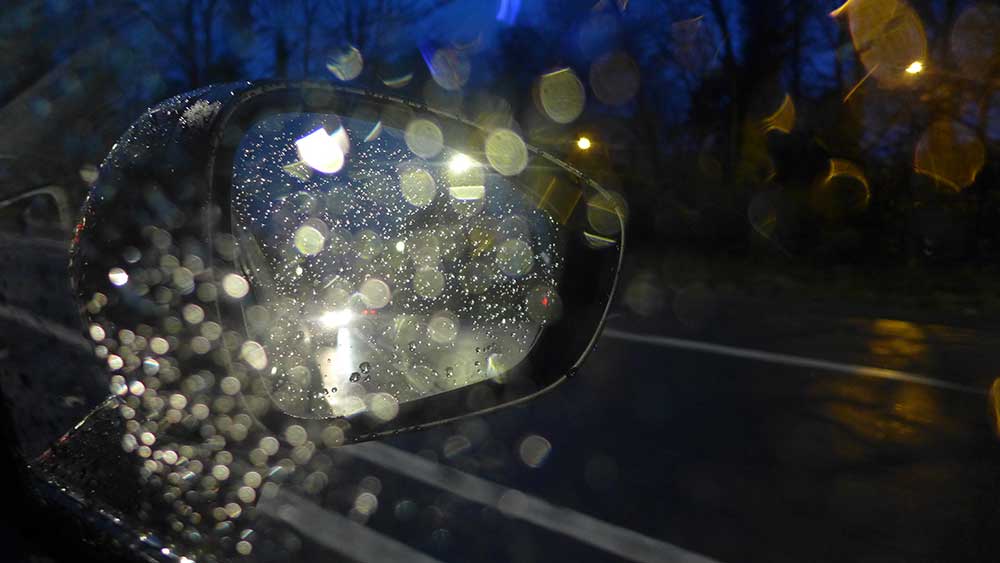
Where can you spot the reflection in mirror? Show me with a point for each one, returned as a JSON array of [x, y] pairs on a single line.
[[385, 269]]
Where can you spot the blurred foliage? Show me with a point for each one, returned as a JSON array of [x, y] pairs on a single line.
[[792, 132]]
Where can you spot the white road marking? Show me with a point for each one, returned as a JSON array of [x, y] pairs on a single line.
[[28, 320], [337, 532], [619, 541], [786, 359]]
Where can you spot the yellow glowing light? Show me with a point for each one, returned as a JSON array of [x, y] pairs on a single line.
[[583, 143], [843, 7], [888, 36], [839, 167], [466, 178], [557, 197], [460, 163], [950, 153], [846, 189], [783, 119]]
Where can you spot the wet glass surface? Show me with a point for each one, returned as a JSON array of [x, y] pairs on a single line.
[[800, 364], [381, 272]]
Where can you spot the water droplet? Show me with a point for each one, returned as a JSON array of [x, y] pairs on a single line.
[[365, 367], [449, 371], [355, 377], [333, 389], [413, 346]]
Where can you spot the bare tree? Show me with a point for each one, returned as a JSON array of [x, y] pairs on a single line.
[[302, 28]]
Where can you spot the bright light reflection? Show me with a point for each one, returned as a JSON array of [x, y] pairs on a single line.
[[467, 193], [336, 365], [336, 319], [118, 276], [321, 151], [583, 143], [346, 64], [916, 67], [460, 163], [308, 240], [375, 132]]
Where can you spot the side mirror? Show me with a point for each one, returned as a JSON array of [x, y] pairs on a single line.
[[294, 265]]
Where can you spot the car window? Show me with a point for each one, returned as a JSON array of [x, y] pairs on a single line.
[[798, 363]]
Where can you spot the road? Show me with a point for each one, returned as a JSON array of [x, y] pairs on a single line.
[[762, 433], [688, 450]]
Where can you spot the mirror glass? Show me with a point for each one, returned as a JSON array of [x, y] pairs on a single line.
[[382, 266]]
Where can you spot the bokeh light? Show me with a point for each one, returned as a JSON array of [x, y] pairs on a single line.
[[888, 36], [424, 138], [561, 96], [783, 119], [417, 186], [235, 286], [506, 152], [950, 153], [615, 78], [844, 191], [450, 68], [310, 237], [605, 213], [973, 40], [694, 46], [534, 450], [118, 276], [346, 64]]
